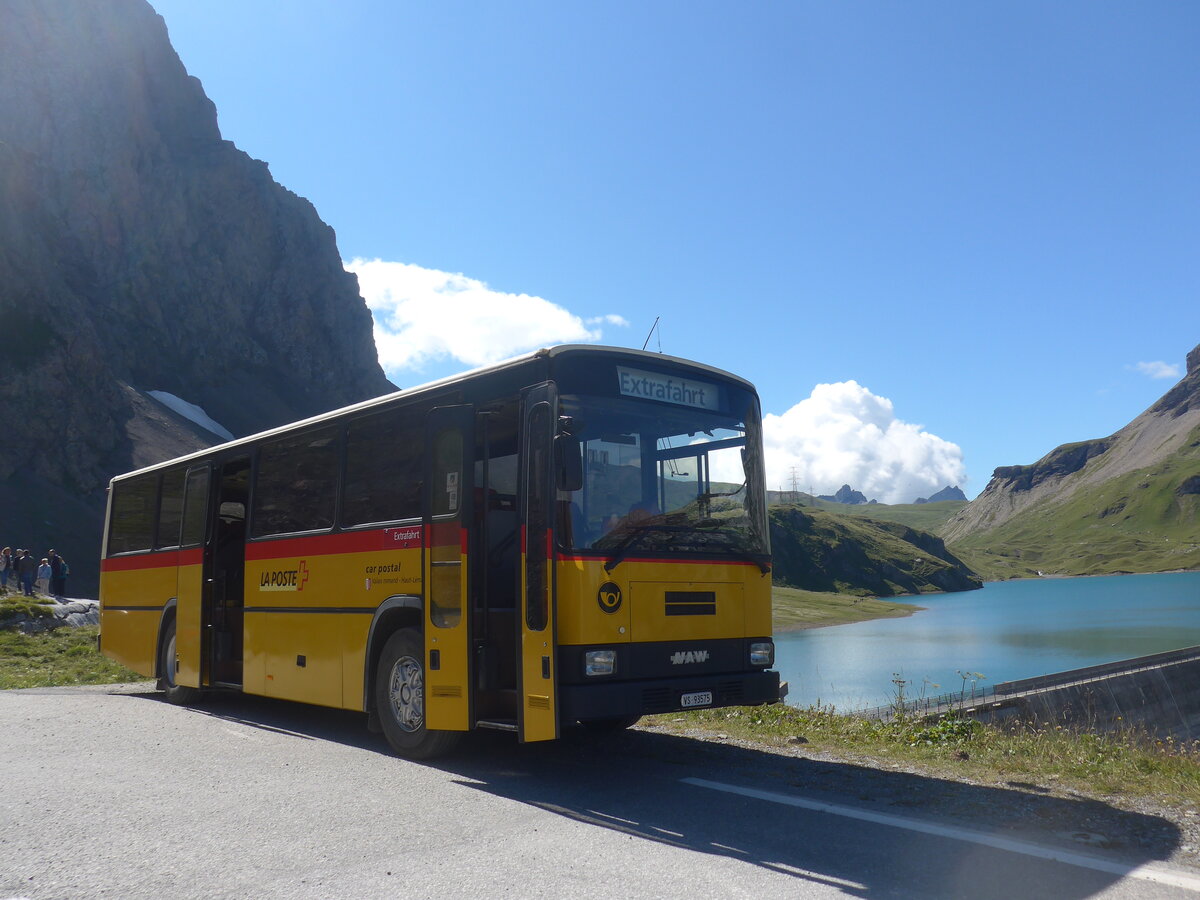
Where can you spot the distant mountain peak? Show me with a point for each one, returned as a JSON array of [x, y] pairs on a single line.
[[946, 493], [845, 494]]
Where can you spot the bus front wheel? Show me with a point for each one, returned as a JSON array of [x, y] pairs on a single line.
[[178, 694], [400, 700]]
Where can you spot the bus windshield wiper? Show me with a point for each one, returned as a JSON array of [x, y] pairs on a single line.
[[635, 533], [706, 527]]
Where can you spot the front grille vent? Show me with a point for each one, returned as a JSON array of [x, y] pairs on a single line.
[[657, 700], [691, 603], [729, 693]]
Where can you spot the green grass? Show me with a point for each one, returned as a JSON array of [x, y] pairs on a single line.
[[793, 609], [1129, 764], [60, 657], [20, 605]]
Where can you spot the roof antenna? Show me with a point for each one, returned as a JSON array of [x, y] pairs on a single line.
[[651, 334]]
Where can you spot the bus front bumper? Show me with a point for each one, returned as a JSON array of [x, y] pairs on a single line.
[[617, 699]]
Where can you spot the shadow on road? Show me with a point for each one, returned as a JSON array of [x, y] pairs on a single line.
[[632, 783]]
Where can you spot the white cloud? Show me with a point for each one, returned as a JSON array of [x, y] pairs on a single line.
[[844, 434], [607, 320], [425, 315], [1159, 369]]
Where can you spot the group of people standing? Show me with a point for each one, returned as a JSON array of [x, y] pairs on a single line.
[[34, 578]]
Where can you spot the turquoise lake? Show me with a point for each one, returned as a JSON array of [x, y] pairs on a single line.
[[1007, 630]]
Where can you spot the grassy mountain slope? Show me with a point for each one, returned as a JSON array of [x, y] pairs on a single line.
[[1143, 521], [817, 550], [1126, 503]]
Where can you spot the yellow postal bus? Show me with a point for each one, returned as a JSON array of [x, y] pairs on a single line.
[[577, 535]]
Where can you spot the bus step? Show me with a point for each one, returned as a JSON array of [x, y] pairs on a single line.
[[497, 724]]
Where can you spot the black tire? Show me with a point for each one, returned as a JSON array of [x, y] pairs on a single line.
[[614, 723], [400, 700], [176, 693]]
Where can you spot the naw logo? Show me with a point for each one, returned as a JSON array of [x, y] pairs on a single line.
[[284, 579], [683, 657]]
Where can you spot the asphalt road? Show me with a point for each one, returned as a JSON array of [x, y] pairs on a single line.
[[111, 792]]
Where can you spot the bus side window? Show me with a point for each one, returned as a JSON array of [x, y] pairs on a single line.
[[537, 586], [383, 468], [134, 505], [445, 591], [195, 509], [170, 509], [296, 483]]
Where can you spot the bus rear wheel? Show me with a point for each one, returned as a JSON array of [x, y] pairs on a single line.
[[178, 694], [400, 700]]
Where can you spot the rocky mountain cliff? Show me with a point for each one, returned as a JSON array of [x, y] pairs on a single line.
[[140, 251], [1129, 502]]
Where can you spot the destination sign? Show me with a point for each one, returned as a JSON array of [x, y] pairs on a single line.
[[668, 389]]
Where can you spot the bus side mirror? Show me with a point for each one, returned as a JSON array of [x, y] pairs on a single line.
[[568, 462]]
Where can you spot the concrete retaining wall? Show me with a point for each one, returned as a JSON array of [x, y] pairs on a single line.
[[1164, 699]]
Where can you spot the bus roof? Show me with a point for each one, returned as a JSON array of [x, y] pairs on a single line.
[[479, 372]]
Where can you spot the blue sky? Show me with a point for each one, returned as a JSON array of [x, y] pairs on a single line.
[[976, 225]]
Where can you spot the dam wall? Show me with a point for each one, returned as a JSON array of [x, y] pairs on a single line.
[[1162, 698], [1158, 694]]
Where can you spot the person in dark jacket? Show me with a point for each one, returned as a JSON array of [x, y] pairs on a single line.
[[58, 576], [27, 567]]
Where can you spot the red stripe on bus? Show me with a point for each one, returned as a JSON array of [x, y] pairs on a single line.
[[444, 534], [692, 561], [164, 559], [400, 538]]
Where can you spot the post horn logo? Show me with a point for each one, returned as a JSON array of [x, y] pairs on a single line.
[[609, 597]]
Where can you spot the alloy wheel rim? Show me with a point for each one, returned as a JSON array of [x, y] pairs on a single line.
[[406, 693], [169, 663]]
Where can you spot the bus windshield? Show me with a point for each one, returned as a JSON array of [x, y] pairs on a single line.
[[664, 479]]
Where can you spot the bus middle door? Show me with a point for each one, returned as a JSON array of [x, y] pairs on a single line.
[[191, 584], [449, 473]]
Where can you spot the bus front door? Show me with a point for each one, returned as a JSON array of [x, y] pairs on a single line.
[[449, 493], [536, 677], [225, 564]]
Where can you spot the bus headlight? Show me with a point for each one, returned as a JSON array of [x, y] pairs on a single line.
[[599, 662], [762, 653]]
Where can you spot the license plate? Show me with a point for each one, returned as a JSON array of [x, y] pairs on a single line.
[[696, 698]]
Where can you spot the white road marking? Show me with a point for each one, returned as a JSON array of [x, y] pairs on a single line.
[[1145, 872]]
